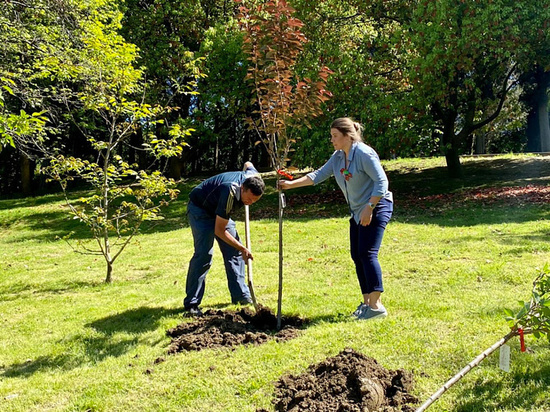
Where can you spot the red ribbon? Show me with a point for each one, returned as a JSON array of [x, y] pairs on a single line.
[[521, 339], [285, 174]]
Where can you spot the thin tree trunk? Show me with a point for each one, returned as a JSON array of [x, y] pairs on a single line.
[[216, 154], [106, 204], [109, 278], [26, 174], [174, 167], [533, 134], [480, 143], [538, 126], [544, 125], [280, 296]]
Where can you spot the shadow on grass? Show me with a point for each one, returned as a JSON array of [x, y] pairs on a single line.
[[326, 201], [135, 321], [19, 289], [49, 225], [478, 172], [97, 348], [6, 204], [527, 387]]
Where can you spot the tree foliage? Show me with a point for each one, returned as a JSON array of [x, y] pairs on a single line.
[[34, 34], [68, 60], [463, 66], [424, 77], [283, 100], [534, 316], [534, 60]]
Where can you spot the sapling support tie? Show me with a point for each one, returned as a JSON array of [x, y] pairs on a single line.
[[285, 174], [521, 339]]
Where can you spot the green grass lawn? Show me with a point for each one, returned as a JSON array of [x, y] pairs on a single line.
[[69, 342]]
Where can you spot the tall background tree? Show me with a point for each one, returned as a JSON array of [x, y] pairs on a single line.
[[463, 68], [34, 34], [425, 78], [179, 40], [534, 59]]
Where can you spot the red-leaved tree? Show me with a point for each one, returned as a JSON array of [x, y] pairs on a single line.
[[283, 101]]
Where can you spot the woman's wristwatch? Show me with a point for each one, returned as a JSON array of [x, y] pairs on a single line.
[[372, 205]]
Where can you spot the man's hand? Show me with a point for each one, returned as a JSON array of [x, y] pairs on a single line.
[[247, 254], [224, 235], [247, 165]]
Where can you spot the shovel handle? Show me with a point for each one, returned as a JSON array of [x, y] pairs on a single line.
[[249, 261]]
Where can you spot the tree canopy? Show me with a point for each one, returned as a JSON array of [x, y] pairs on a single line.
[[429, 77]]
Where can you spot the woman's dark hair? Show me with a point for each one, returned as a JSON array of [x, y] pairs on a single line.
[[255, 184]]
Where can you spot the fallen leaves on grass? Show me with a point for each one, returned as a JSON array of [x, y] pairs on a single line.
[[508, 195]]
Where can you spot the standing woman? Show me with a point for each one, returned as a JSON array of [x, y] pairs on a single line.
[[362, 179]]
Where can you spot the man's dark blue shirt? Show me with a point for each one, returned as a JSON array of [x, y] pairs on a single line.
[[220, 195]]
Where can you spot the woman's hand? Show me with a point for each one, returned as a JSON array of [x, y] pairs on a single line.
[[283, 184], [293, 184], [366, 216]]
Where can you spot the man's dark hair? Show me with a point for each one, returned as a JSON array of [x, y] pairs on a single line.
[[255, 184]]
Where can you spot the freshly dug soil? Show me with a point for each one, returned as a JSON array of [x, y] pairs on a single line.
[[350, 382], [218, 328]]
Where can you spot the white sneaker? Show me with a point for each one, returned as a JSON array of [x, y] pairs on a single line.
[[371, 313], [360, 309]]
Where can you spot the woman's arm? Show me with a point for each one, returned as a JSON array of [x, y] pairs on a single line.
[[293, 184]]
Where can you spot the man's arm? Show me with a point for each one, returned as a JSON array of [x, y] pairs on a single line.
[[247, 165], [224, 235]]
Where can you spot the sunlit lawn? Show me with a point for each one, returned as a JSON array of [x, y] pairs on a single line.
[[68, 342]]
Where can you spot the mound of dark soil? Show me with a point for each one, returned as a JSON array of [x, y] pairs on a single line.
[[350, 382], [218, 328]]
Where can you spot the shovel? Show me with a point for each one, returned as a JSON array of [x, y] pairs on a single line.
[[249, 261]]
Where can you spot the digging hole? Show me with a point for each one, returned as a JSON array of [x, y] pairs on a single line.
[[217, 328]]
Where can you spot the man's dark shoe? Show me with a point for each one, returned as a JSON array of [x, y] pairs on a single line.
[[193, 311], [243, 302]]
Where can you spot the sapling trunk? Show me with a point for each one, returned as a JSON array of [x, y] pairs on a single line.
[[105, 189], [280, 296], [109, 278]]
